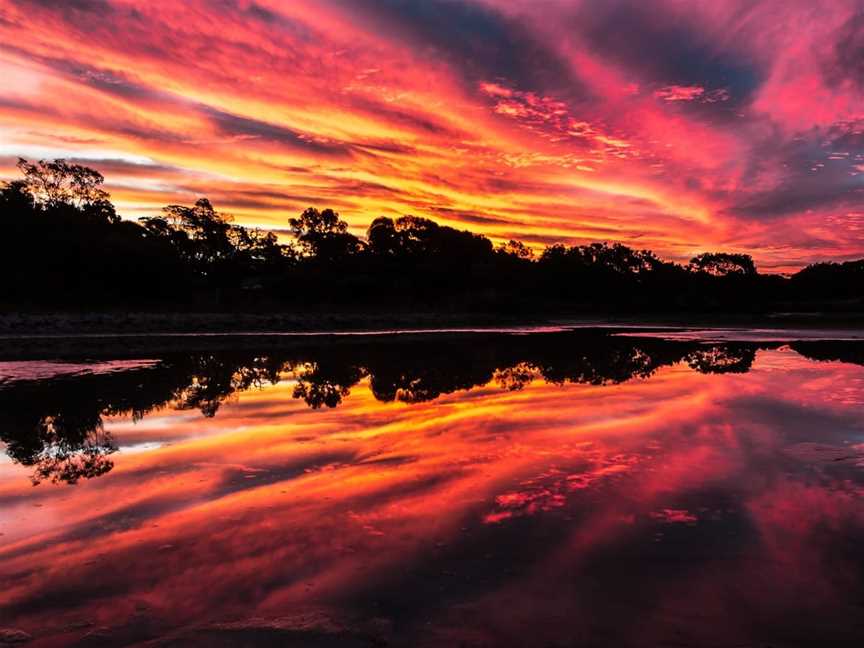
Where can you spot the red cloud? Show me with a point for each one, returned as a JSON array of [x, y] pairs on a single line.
[[687, 127]]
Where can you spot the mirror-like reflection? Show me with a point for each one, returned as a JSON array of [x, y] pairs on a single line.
[[56, 425], [562, 489]]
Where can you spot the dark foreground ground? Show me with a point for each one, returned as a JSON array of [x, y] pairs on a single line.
[[83, 323], [49, 334]]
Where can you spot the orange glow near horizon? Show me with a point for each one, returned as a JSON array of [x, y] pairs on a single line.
[[681, 128]]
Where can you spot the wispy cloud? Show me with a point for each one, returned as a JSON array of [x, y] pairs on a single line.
[[680, 126]]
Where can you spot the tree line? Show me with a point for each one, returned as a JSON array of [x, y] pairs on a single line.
[[64, 245]]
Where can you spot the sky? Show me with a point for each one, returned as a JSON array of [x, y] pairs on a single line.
[[679, 126]]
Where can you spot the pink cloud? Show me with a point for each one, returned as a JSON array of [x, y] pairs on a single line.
[[680, 93]]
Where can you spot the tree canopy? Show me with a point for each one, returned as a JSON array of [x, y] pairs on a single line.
[[59, 184], [65, 246], [722, 264]]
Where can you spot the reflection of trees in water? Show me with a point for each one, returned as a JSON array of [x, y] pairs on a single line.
[[327, 383], [516, 377], [56, 426], [66, 447], [830, 350], [725, 358], [215, 378]]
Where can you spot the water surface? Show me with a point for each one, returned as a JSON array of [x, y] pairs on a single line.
[[548, 489]]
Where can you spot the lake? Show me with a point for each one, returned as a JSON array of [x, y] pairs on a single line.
[[553, 488]]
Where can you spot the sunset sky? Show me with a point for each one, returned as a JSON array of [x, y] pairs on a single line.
[[679, 126]]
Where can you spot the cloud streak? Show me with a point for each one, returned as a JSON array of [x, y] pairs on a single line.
[[687, 127]]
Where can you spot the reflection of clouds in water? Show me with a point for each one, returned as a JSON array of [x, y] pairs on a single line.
[[675, 516], [395, 370], [550, 490], [382, 501], [11, 372]]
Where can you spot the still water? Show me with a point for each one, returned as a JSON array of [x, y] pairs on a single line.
[[557, 489]]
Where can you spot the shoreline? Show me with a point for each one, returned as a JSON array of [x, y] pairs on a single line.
[[184, 323], [60, 323], [126, 335]]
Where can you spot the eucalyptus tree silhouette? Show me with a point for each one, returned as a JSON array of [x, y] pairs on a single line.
[[515, 249], [16, 198], [324, 236], [199, 234], [722, 264], [58, 185], [64, 246]]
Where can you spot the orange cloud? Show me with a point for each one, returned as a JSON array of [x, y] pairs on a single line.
[[681, 129]]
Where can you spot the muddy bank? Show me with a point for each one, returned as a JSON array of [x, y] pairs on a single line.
[[127, 335], [164, 323]]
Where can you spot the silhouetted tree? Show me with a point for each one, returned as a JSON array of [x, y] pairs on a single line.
[[722, 264], [821, 281], [64, 245], [59, 184], [15, 198], [207, 241], [515, 249], [383, 238], [227, 256], [324, 236], [257, 249]]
